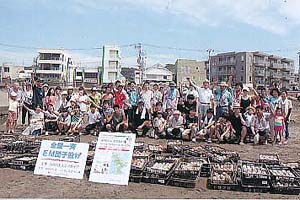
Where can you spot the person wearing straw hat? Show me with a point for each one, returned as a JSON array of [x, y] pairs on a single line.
[[238, 123], [175, 126], [206, 97], [249, 115], [12, 116], [223, 99]]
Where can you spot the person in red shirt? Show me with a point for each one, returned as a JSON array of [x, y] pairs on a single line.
[[120, 97]]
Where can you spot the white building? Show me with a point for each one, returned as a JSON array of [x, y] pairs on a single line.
[[54, 64], [10, 71], [157, 73], [111, 68]]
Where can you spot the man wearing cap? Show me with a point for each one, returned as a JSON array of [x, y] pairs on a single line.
[[175, 126], [206, 97], [223, 99], [70, 93], [238, 123], [38, 94]]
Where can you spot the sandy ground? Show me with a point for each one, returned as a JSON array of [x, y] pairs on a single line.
[[23, 184]]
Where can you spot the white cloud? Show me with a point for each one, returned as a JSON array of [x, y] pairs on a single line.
[[276, 16]]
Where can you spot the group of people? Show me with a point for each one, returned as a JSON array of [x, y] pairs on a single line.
[[225, 113]]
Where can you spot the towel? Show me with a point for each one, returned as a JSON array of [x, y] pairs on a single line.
[[143, 115]]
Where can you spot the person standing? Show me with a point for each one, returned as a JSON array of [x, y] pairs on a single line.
[[172, 96], [206, 97], [147, 95], [27, 100], [38, 94], [286, 105], [223, 99]]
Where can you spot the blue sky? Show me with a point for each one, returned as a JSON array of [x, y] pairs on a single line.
[[223, 25]]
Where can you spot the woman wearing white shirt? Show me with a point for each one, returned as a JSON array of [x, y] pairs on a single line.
[[146, 95]]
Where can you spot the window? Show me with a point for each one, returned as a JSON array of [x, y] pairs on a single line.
[[90, 75], [78, 73], [113, 53], [242, 58], [165, 77], [242, 68], [6, 69], [220, 68], [112, 76], [249, 78], [113, 64], [242, 78]]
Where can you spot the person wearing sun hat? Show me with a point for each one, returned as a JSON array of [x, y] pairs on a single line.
[[175, 126], [238, 123], [223, 99], [249, 115], [205, 97]]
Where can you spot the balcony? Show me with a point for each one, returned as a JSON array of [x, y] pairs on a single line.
[[40, 71], [275, 75], [276, 66], [259, 73], [261, 63], [52, 61]]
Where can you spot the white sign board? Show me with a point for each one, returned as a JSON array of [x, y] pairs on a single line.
[[112, 159], [63, 159]]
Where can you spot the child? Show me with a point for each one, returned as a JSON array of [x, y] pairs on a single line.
[[159, 124], [11, 120], [76, 119], [63, 121], [224, 130], [279, 125]]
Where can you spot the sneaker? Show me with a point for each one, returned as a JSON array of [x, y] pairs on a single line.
[[280, 143], [209, 140], [194, 140], [242, 143], [285, 142], [46, 133]]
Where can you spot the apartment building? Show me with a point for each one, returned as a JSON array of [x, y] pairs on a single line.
[[111, 67], [186, 68], [257, 68], [9, 71], [54, 65]]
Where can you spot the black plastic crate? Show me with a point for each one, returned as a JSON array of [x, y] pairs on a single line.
[[139, 146], [160, 172], [186, 183], [25, 167], [223, 184], [155, 148], [154, 179], [273, 159], [24, 161], [196, 151], [171, 144], [138, 169], [250, 188], [254, 176], [186, 173], [135, 178], [284, 183]]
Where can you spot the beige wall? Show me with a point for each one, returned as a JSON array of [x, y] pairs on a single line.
[[192, 69]]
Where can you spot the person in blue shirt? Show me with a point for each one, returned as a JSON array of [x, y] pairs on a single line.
[[223, 99]]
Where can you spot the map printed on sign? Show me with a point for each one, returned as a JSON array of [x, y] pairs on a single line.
[[112, 159], [63, 159]]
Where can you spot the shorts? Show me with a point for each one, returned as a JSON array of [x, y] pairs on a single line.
[[278, 128], [12, 116], [249, 131]]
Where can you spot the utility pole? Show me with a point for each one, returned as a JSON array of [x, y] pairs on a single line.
[[209, 63], [141, 61]]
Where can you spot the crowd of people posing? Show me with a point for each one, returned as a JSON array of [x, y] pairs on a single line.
[[224, 114]]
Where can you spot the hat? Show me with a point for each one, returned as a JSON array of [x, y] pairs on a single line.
[[94, 89], [28, 83], [64, 93], [236, 106], [250, 107], [45, 85], [13, 94], [206, 81], [190, 96], [176, 112], [210, 110], [172, 84], [246, 88], [223, 84], [70, 88]]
